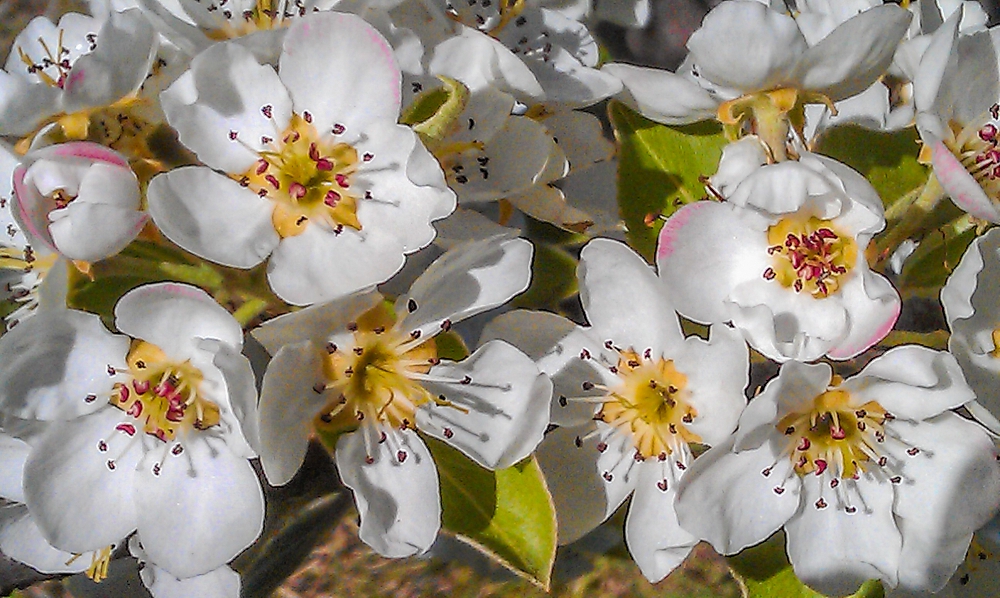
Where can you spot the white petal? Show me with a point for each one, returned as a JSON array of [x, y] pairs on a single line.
[[704, 250], [77, 351], [21, 540], [964, 190], [117, 67], [238, 409], [173, 316], [717, 373], [288, 405], [507, 403], [321, 265], [223, 93], [556, 344], [750, 509], [589, 480], [663, 96], [13, 454], [466, 225], [936, 60], [949, 489], [314, 323], [467, 280], [198, 509], [362, 84], [834, 551], [625, 301], [23, 104], [398, 499], [855, 54], [655, 539], [78, 482], [912, 382], [218, 583], [479, 61], [212, 216], [760, 50], [91, 232]]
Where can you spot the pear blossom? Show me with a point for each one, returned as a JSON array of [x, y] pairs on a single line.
[[57, 72], [782, 257], [80, 198], [956, 94], [371, 374], [768, 66], [310, 172], [972, 313], [148, 433], [631, 395], [872, 477], [979, 575], [30, 274]]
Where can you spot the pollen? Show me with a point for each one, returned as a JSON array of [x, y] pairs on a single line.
[[308, 177], [651, 405], [836, 435], [375, 378], [163, 394], [809, 255]]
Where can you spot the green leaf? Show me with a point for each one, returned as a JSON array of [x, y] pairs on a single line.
[[887, 160], [507, 514], [938, 254], [553, 278], [660, 169], [763, 571], [450, 345]]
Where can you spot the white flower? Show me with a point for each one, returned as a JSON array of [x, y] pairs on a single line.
[[149, 432], [748, 62], [321, 180], [783, 257], [56, 71], [630, 394], [25, 262], [353, 367], [871, 477], [80, 198], [973, 314], [955, 93]]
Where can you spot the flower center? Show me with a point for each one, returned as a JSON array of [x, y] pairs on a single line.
[[377, 378], [163, 394], [307, 177], [809, 255], [651, 405], [976, 147], [20, 293], [487, 17], [836, 435], [264, 16]]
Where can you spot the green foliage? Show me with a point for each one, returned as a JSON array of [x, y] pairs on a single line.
[[508, 514], [938, 254], [553, 278], [887, 160], [660, 169], [764, 572]]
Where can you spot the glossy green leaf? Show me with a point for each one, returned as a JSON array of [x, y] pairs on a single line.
[[660, 169], [553, 278], [763, 571], [887, 160], [936, 256], [507, 514]]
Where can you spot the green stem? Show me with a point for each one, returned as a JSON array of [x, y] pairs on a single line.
[[908, 220], [252, 308]]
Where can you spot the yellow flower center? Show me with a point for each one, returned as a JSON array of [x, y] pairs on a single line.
[[651, 405], [835, 435], [264, 16], [977, 147], [809, 255], [376, 379], [308, 177], [163, 394]]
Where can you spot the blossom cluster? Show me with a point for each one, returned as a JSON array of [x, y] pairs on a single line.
[[236, 228]]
